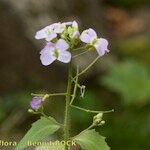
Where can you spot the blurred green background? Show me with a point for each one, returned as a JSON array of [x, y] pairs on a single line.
[[120, 80]]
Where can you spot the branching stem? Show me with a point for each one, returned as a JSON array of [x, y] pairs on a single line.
[[75, 86], [80, 48], [81, 53], [89, 66], [49, 95], [90, 111]]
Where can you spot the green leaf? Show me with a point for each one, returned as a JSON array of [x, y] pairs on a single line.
[[91, 140], [39, 131], [50, 147]]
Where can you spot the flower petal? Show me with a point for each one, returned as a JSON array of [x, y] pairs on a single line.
[[47, 55], [62, 45], [41, 34], [92, 33], [64, 56], [52, 26], [47, 59], [75, 24], [57, 27], [51, 36], [88, 35], [101, 46], [46, 48], [85, 38], [68, 23]]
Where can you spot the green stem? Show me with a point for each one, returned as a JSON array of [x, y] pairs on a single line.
[[81, 53], [75, 86], [67, 107], [91, 111], [90, 127], [80, 48], [49, 95], [89, 66]]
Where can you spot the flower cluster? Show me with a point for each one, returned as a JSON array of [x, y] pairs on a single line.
[[62, 38]]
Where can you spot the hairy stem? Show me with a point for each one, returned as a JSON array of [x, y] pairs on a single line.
[[67, 107], [75, 86], [90, 111], [81, 53], [53, 94], [80, 48]]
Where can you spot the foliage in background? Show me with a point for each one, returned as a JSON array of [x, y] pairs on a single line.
[[9, 102], [131, 80], [131, 124]]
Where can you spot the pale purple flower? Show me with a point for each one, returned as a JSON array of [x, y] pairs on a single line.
[[50, 32], [89, 36], [55, 51], [36, 103]]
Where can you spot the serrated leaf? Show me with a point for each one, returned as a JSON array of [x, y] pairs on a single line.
[[50, 147], [91, 140], [39, 131]]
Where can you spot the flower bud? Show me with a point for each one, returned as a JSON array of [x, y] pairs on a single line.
[[102, 123], [36, 103], [30, 111], [97, 120], [99, 116]]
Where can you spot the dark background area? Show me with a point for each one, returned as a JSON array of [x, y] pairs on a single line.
[[120, 80]]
